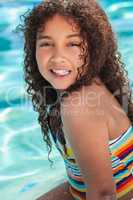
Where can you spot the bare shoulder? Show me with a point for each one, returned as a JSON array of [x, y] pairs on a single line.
[[96, 103], [85, 109], [89, 100]]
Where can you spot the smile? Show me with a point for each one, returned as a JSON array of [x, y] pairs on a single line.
[[60, 73]]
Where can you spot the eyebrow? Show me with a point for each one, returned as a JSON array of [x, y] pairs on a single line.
[[40, 37]]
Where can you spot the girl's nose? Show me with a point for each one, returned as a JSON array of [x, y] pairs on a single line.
[[58, 56]]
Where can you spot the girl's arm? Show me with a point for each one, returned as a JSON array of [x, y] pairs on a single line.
[[87, 132], [98, 196]]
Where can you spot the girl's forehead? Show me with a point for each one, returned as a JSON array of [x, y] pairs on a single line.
[[65, 22]]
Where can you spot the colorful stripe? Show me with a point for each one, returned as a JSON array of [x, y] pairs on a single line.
[[76, 194], [121, 153]]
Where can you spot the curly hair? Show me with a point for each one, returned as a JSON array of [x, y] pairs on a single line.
[[104, 61]]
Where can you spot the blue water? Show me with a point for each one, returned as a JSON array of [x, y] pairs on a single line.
[[25, 173]]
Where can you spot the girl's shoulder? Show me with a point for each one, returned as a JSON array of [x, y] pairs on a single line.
[[86, 104], [88, 97], [98, 103]]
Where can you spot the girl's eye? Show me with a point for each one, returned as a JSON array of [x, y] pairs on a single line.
[[71, 44], [45, 44], [74, 44]]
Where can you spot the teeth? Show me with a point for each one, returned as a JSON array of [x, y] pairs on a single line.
[[61, 71]]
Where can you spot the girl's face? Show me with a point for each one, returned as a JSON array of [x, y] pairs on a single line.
[[58, 52]]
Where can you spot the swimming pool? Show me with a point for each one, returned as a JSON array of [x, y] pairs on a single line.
[[25, 172]]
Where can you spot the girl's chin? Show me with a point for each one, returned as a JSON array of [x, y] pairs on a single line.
[[60, 86], [60, 89]]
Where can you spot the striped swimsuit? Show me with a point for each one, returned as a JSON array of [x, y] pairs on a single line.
[[121, 154]]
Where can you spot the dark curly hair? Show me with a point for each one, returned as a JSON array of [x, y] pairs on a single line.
[[104, 62]]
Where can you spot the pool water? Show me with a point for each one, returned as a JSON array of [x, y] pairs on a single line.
[[25, 172]]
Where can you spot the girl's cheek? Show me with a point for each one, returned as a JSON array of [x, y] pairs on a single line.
[[41, 54], [75, 56]]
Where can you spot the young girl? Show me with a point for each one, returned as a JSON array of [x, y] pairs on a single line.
[[82, 94]]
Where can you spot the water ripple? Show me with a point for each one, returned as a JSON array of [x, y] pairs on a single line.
[[26, 174], [117, 7]]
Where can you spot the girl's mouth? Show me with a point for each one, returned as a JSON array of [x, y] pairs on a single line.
[[60, 73]]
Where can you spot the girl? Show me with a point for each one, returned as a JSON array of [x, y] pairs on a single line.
[[81, 92]]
